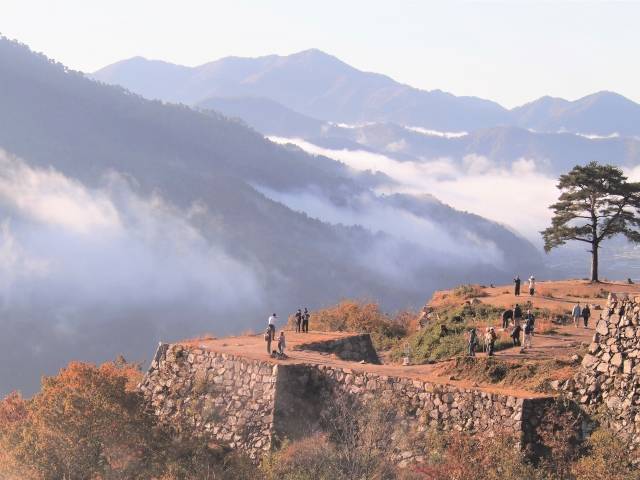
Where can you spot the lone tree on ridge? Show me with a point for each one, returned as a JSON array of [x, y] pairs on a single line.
[[596, 203]]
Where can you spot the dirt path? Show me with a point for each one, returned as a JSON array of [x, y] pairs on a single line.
[[558, 297], [254, 347]]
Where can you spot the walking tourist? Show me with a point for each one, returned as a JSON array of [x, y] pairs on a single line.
[[576, 313], [516, 289], [528, 330], [532, 285], [515, 335], [586, 313]]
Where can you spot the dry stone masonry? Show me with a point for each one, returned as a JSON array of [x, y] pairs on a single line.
[[354, 348], [226, 398], [254, 405], [609, 381]]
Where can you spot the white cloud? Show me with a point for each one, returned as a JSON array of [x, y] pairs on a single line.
[[437, 133], [50, 197], [517, 196], [69, 246]]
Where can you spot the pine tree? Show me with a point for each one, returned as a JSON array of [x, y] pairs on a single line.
[[597, 202]]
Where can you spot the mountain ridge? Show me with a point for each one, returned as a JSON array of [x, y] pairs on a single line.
[[322, 86]]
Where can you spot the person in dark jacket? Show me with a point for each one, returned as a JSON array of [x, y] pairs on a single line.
[[517, 314], [515, 335], [586, 313], [529, 317], [305, 320], [507, 316], [473, 342], [492, 341], [298, 320], [516, 283], [528, 330]]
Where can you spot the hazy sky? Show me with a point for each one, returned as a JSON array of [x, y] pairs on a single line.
[[510, 51]]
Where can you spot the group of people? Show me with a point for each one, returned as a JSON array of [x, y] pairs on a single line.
[[532, 286], [583, 313], [302, 320], [270, 335], [490, 338], [302, 325], [520, 325]]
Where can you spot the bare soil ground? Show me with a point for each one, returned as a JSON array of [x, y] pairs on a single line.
[[254, 347], [551, 341]]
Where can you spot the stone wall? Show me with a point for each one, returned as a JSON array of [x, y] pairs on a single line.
[[254, 405], [353, 348], [226, 398], [305, 394], [609, 380]]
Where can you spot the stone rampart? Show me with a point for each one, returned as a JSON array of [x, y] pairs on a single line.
[[609, 381], [353, 348], [226, 398], [254, 405]]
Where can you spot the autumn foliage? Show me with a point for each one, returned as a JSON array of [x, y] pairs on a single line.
[[89, 422], [362, 317]]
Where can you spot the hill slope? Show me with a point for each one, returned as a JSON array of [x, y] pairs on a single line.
[[130, 220]]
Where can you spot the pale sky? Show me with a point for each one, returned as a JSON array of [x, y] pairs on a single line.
[[510, 51]]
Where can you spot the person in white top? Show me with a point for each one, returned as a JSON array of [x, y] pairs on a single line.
[[532, 285], [272, 325]]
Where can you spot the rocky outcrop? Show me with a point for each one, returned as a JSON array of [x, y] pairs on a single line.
[[353, 348], [609, 381]]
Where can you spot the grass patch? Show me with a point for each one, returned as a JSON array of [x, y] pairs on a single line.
[[530, 375], [468, 291], [444, 337]]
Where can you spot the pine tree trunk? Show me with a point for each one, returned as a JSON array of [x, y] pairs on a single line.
[[594, 263]]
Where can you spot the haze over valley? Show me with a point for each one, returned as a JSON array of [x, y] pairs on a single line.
[[151, 201]]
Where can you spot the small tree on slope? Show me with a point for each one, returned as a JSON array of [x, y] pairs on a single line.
[[596, 203]]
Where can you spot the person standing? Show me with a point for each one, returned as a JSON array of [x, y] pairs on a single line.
[[267, 338], [281, 343], [492, 341], [531, 319], [532, 285], [272, 326], [298, 320], [507, 316], [586, 313], [305, 320], [515, 335], [516, 289], [576, 313], [517, 314], [473, 342], [528, 330]]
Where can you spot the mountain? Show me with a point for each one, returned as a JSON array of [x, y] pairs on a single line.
[[321, 86], [553, 153], [602, 113], [265, 115], [310, 82], [127, 221]]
